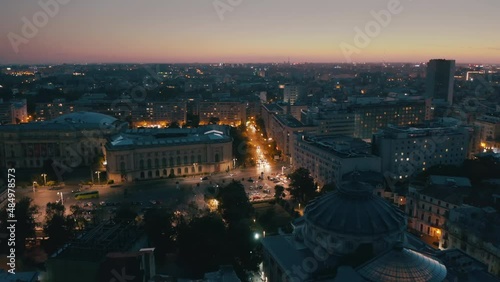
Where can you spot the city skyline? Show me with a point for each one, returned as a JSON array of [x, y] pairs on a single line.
[[248, 32]]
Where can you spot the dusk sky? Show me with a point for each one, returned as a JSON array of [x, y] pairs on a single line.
[[172, 31]]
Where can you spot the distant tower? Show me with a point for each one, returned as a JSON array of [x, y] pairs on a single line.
[[440, 80]]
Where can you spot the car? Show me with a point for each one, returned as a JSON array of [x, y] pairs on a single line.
[[102, 203], [76, 191], [204, 178]]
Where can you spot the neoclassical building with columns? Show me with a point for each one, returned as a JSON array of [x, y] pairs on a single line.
[[152, 153]]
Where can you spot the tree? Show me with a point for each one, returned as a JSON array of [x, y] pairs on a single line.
[[57, 227], [329, 187], [159, 226], [174, 124], [278, 191], [125, 214], [302, 186], [233, 203], [78, 213], [203, 245], [25, 214], [213, 120], [192, 120]]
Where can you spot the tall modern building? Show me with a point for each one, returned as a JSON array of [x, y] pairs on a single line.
[[439, 80]]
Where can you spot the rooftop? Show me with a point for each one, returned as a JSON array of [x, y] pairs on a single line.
[[354, 210], [339, 145], [400, 265], [151, 137], [289, 121]]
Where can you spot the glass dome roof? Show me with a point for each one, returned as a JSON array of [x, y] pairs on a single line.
[[400, 265]]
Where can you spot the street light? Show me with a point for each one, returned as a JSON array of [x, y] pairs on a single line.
[[44, 179], [283, 169], [98, 177], [34, 182], [61, 196], [234, 162]]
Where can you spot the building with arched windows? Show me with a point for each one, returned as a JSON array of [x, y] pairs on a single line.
[[71, 140], [150, 153]]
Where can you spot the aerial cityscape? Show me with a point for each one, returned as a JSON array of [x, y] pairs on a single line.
[[234, 140]]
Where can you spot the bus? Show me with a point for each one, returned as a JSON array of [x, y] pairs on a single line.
[[87, 195]]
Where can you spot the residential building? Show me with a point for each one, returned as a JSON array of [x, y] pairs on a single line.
[[13, 112], [228, 112], [281, 129], [428, 205], [329, 157], [330, 121], [370, 117], [476, 231], [407, 150], [292, 93]]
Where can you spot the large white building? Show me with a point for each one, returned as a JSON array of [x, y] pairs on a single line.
[[150, 153], [406, 151], [328, 158]]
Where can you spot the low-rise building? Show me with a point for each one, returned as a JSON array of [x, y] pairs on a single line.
[[476, 231], [428, 205], [159, 153]]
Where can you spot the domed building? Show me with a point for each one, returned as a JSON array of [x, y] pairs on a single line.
[[348, 227], [350, 218]]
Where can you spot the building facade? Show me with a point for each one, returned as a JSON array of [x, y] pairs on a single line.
[[428, 206], [139, 154], [440, 80], [329, 158], [369, 118], [228, 112], [406, 151], [282, 128], [476, 231], [72, 140]]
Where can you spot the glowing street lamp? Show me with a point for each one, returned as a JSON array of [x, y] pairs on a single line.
[[34, 189], [98, 177], [61, 196], [234, 162], [44, 179]]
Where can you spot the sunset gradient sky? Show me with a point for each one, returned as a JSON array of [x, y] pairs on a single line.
[[173, 31]]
